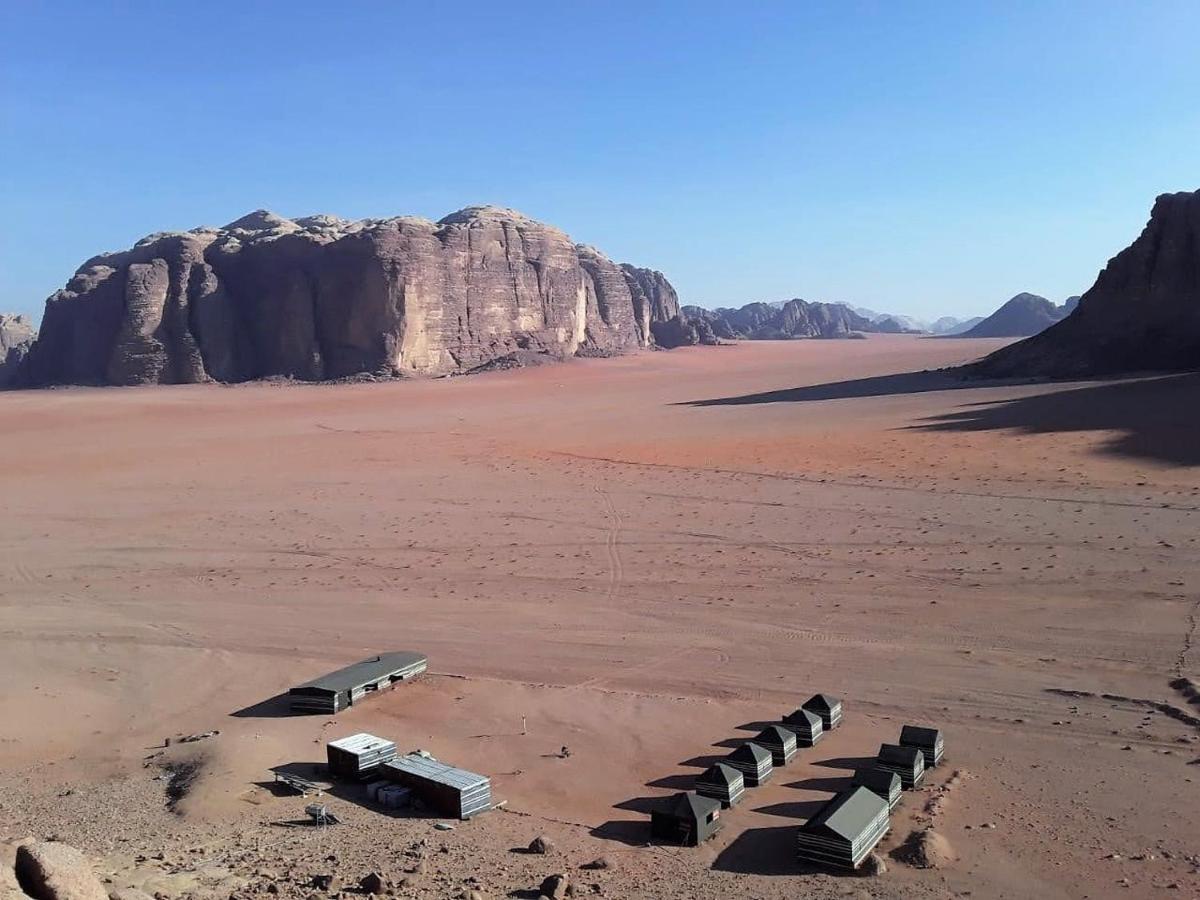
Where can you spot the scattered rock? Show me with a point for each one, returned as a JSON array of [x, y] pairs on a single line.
[[601, 862], [372, 883], [541, 845], [556, 887], [322, 881], [48, 870], [874, 866]]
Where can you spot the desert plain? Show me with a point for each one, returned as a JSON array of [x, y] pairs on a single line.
[[638, 559]]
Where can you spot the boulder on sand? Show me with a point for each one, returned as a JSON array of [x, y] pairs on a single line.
[[49, 870], [541, 845]]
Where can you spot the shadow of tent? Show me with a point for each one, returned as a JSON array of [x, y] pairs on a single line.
[[756, 727], [832, 785], [674, 782], [850, 763], [276, 707], [731, 743], [702, 762], [796, 809], [761, 851], [641, 804], [634, 833]]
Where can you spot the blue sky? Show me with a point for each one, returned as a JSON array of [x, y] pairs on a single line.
[[914, 157]]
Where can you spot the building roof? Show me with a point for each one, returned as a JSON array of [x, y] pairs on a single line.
[[690, 806], [432, 770], [879, 779], [897, 755], [848, 814], [920, 736], [822, 701], [776, 734], [367, 670], [802, 716], [719, 773], [751, 752], [361, 743]]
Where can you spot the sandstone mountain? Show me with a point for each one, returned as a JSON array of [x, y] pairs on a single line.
[[16, 337], [322, 298], [793, 319], [950, 325], [1023, 315], [1143, 312]]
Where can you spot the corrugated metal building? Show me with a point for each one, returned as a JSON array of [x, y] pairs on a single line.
[[753, 761], [686, 819], [338, 690], [723, 783], [780, 741], [358, 755], [444, 789], [928, 740], [845, 830], [883, 782], [828, 708], [907, 762], [806, 725]]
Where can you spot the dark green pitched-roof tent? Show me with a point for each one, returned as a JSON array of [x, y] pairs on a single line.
[[721, 782], [845, 830], [686, 819], [753, 761], [780, 741], [827, 707], [883, 782], [907, 762], [928, 740], [807, 726]]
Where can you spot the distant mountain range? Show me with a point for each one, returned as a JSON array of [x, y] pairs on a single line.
[[1024, 315]]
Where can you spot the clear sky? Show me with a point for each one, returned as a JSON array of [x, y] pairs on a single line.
[[913, 157]]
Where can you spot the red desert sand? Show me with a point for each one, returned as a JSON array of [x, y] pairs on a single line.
[[641, 559]]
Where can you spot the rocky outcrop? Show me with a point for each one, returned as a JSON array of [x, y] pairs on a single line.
[[48, 870], [16, 337], [793, 319], [323, 298], [1023, 315], [1143, 312]]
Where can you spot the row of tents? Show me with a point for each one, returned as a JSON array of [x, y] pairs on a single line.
[[691, 818], [846, 829]]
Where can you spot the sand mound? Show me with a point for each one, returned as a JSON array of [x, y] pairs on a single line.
[[925, 849]]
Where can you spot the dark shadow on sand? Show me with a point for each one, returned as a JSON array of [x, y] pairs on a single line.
[[762, 851], [1149, 413], [276, 707], [879, 386]]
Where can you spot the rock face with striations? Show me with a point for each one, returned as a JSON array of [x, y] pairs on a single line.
[[16, 337], [1143, 312], [322, 298], [793, 319]]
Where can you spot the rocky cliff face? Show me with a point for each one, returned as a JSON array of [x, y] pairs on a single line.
[[1143, 312], [16, 337], [793, 319], [1023, 315], [321, 298]]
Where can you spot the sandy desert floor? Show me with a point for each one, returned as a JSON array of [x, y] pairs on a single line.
[[642, 558]]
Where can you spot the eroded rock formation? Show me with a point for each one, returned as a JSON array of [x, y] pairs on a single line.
[[1023, 315], [322, 298], [1143, 312], [16, 337], [793, 319]]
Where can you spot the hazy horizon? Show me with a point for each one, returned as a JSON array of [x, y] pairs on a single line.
[[930, 160]]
